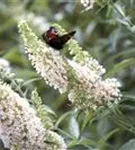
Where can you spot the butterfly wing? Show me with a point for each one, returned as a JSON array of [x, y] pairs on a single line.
[[52, 38], [56, 43], [66, 37]]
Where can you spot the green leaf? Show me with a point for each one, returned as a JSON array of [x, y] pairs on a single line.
[[64, 116], [130, 145], [125, 122], [74, 126], [120, 66], [120, 9], [88, 118], [123, 54], [30, 81], [84, 142], [25, 74], [102, 142], [129, 97]]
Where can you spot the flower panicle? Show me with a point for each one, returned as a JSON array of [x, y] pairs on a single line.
[[20, 127], [41, 110], [47, 62], [91, 92], [19, 124], [80, 77], [58, 142]]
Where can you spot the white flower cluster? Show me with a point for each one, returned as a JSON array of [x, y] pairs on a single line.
[[4, 66], [82, 80], [19, 126], [93, 65], [52, 137], [5, 70], [87, 4], [47, 62], [90, 91], [50, 65]]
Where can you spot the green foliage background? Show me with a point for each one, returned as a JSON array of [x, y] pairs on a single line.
[[108, 32]]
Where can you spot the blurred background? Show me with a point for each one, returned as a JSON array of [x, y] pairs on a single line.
[[106, 31]]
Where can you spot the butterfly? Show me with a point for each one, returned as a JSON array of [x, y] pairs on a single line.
[[52, 38]]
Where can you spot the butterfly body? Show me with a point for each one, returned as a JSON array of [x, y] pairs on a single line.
[[52, 38]]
